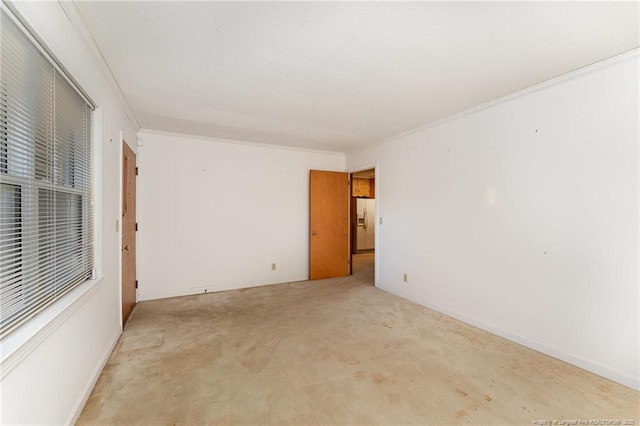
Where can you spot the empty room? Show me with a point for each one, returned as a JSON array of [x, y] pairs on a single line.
[[319, 213]]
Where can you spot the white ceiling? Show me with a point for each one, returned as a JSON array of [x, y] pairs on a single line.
[[340, 76]]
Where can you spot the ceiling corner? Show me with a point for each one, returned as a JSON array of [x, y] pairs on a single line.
[[73, 14]]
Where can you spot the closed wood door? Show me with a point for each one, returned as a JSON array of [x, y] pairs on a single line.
[[128, 232], [329, 224]]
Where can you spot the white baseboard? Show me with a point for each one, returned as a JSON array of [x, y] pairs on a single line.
[[213, 288], [629, 381], [79, 406]]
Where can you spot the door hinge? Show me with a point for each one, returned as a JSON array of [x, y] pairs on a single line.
[[136, 226], [136, 283], [136, 170]]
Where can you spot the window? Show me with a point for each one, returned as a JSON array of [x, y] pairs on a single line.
[[46, 213]]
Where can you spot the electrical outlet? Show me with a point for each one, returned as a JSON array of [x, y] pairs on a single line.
[[405, 278], [273, 266]]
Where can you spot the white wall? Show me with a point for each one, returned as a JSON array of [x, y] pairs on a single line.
[[522, 217], [215, 215], [50, 364]]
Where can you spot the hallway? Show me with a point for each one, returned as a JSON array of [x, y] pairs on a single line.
[[364, 267]]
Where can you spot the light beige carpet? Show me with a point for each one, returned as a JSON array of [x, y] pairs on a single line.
[[337, 351], [363, 267]]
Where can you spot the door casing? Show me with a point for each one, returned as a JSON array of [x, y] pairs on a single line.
[[353, 219]]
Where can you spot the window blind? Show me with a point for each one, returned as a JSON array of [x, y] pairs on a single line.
[[46, 212]]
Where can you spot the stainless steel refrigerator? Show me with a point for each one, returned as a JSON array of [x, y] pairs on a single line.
[[366, 224]]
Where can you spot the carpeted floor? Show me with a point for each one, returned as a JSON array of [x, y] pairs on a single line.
[[336, 351], [363, 267]]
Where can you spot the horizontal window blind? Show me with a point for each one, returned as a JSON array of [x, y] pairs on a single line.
[[46, 212]]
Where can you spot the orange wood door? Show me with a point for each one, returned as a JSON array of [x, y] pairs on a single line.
[[328, 224], [128, 232]]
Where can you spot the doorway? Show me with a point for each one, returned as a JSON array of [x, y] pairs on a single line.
[[129, 283], [363, 224]]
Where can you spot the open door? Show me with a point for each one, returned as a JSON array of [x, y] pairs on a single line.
[[128, 232], [328, 224]]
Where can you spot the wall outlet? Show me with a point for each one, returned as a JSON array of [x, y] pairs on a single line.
[[405, 278], [273, 266]]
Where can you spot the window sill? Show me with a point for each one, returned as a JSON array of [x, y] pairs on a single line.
[[22, 341]]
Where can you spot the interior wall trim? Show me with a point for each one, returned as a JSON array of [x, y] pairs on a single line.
[[509, 97], [236, 142]]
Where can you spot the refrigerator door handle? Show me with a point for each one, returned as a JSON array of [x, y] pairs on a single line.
[[366, 219]]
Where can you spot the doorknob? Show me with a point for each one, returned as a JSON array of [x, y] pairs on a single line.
[[125, 248], [313, 233]]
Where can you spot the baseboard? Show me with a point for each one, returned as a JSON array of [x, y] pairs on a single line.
[[79, 406], [192, 291], [629, 381]]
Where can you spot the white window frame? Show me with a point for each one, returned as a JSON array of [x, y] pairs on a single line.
[[16, 346]]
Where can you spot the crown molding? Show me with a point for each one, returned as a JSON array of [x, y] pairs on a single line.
[[146, 131], [634, 53], [73, 14]]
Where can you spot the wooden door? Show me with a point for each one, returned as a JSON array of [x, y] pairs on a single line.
[[328, 224], [128, 232]]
